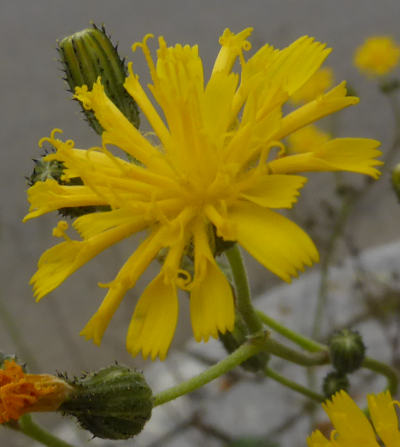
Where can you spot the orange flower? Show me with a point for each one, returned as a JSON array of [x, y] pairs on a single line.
[[22, 393]]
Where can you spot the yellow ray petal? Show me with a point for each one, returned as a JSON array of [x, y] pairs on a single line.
[[125, 280], [317, 439], [117, 128], [92, 224], [133, 87], [276, 242], [232, 46], [218, 99], [59, 262], [339, 154], [275, 191], [324, 105], [211, 298], [384, 418], [154, 321], [351, 424], [49, 196], [296, 63]]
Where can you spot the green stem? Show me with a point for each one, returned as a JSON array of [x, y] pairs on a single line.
[[312, 346], [278, 349], [385, 370], [237, 357], [34, 431], [293, 385], [243, 295], [305, 342]]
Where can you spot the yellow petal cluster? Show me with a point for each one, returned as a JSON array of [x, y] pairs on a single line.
[[377, 56], [211, 167], [352, 428]]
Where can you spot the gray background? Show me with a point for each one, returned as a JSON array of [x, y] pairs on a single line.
[[34, 101]]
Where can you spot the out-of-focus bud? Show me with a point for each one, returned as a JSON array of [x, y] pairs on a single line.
[[88, 54], [239, 335], [334, 382], [347, 351], [389, 86], [396, 180], [112, 403]]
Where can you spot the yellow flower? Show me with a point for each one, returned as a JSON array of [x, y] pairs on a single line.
[[306, 139], [22, 393], [352, 428], [213, 167], [378, 56], [317, 85]]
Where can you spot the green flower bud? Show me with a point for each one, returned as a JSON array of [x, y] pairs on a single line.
[[88, 54], [334, 382], [239, 335], [396, 180], [347, 351], [112, 403]]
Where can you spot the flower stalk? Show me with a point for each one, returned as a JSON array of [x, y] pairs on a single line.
[[293, 385], [243, 295], [230, 362], [34, 431]]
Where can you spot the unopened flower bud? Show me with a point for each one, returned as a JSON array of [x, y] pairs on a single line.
[[334, 382], [347, 351], [112, 403], [239, 335], [88, 54], [388, 86]]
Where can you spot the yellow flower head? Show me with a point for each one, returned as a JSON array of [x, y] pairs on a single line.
[[317, 85], [22, 393], [352, 428], [306, 139], [212, 169], [378, 56]]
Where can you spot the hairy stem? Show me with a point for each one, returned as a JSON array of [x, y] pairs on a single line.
[[34, 431], [243, 296], [237, 357], [293, 385]]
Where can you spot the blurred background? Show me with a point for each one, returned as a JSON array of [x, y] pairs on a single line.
[[34, 100]]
